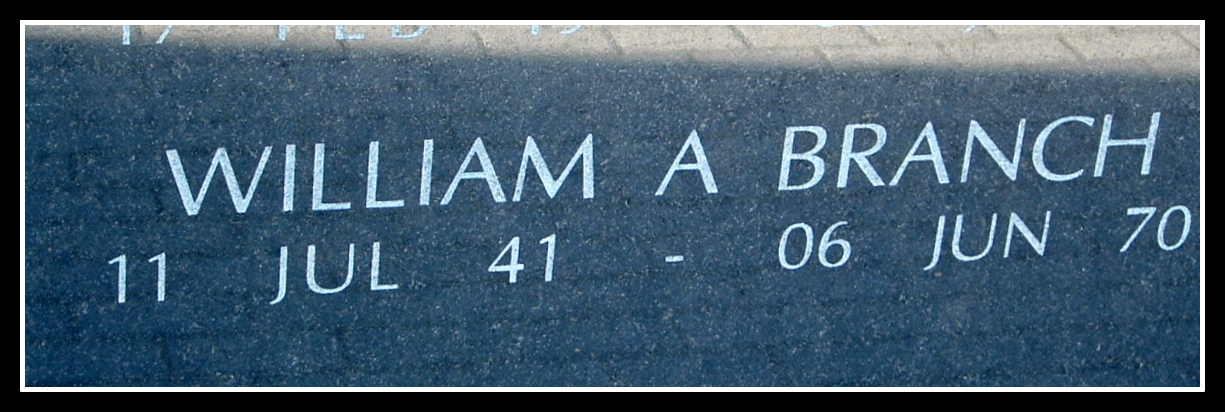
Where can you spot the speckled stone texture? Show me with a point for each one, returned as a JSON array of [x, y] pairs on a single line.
[[101, 118]]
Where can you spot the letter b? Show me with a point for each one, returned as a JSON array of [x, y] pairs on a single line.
[[810, 156]]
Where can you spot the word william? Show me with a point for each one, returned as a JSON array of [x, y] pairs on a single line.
[[848, 160]]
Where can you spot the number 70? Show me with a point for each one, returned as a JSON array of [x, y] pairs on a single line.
[[1165, 217]]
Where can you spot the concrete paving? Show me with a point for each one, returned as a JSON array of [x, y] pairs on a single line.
[[1145, 48]]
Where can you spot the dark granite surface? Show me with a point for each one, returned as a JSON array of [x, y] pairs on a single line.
[[100, 120]]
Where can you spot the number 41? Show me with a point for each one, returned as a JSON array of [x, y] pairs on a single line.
[[513, 267]]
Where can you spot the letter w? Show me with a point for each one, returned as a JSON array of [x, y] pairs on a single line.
[[192, 204]]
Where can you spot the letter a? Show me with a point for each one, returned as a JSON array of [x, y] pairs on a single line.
[[702, 166]]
